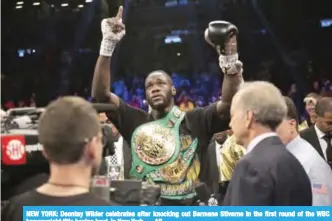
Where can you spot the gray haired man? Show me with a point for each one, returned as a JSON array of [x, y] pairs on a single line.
[[268, 175]]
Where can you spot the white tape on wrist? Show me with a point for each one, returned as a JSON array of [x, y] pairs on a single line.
[[107, 47]]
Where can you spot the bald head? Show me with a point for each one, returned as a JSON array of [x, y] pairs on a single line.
[[324, 106]]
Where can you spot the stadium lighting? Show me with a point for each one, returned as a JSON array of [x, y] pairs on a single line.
[[36, 3], [87, 1], [80, 6], [18, 6], [64, 4], [19, 3]]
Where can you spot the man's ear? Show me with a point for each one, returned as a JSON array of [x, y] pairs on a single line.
[[173, 91], [293, 123], [249, 118]]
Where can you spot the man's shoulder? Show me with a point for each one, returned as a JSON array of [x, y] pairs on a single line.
[[270, 146], [306, 153], [311, 158], [197, 112], [125, 107], [307, 131], [22, 198], [250, 166], [270, 152], [307, 148], [12, 209], [34, 198]]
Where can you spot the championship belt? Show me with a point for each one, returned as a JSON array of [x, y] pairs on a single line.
[[161, 156], [231, 153]]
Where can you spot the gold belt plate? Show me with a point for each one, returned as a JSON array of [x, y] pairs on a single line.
[[175, 172], [155, 144]]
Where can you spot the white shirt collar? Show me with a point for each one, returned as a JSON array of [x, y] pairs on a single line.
[[293, 143], [258, 139], [319, 133]]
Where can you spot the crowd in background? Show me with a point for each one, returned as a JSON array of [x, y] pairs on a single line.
[[197, 90]]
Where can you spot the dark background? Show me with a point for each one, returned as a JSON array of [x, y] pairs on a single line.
[[280, 40]]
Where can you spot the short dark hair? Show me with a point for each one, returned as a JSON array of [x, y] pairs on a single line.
[[323, 106], [291, 110], [169, 78], [65, 127]]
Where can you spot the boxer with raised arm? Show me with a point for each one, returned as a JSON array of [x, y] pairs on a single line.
[[169, 147]]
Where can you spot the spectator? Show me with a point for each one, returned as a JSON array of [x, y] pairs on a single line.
[[73, 147]]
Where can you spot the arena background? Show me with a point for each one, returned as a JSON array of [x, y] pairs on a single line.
[[49, 47]]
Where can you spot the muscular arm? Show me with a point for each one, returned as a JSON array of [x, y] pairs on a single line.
[[230, 86], [113, 31], [101, 84]]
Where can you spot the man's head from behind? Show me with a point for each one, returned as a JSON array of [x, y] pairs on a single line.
[[159, 90], [256, 108], [288, 129], [70, 133], [324, 115]]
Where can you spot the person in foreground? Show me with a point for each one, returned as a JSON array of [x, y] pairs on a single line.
[[317, 169], [73, 147], [169, 147], [268, 175]]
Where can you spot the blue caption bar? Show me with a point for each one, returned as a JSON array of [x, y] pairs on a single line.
[[165, 213]]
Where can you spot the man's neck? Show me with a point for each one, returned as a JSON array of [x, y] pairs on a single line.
[[259, 130], [66, 181], [70, 175], [294, 136], [158, 114]]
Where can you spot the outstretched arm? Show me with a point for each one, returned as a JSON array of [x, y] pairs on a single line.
[[113, 30], [222, 35], [101, 84], [231, 83], [124, 117], [216, 117]]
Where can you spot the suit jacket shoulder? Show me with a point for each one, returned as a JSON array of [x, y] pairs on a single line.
[[311, 137], [269, 175], [308, 132], [249, 186]]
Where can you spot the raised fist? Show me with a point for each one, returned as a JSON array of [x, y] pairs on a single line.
[[113, 31], [113, 28], [222, 35]]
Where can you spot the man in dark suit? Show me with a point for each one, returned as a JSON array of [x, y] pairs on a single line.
[[121, 156], [319, 135], [122, 152], [214, 160], [268, 175]]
